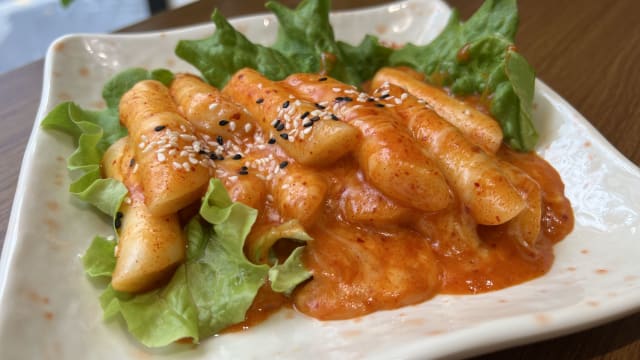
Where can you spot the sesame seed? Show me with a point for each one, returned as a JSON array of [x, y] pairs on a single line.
[[186, 166], [320, 106], [404, 96], [161, 157], [247, 127], [335, 89], [322, 79], [284, 136], [276, 123], [132, 162], [223, 122], [371, 99], [213, 106], [193, 160], [213, 156], [280, 127], [306, 131], [159, 128], [232, 126], [307, 124], [220, 157], [304, 115], [141, 145], [379, 105], [135, 168], [202, 152], [315, 118], [220, 140], [176, 165], [284, 164], [243, 172], [233, 178], [285, 104], [334, 117], [384, 96], [260, 101], [272, 141], [237, 156]]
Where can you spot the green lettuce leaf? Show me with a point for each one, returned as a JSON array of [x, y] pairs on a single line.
[[99, 259], [219, 56], [286, 276], [478, 57], [305, 43], [212, 290]]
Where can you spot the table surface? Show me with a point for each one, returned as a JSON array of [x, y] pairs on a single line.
[[586, 51]]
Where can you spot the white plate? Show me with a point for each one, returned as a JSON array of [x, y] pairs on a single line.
[[49, 309]]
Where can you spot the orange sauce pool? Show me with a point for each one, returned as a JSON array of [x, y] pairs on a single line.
[[360, 269]]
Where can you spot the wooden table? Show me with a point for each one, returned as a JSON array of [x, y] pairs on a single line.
[[587, 51]]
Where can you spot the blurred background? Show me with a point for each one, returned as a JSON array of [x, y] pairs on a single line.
[[27, 27]]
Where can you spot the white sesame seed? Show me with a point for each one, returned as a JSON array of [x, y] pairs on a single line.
[[213, 106], [307, 130], [398, 101], [233, 178], [187, 137], [247, 127], [404, 96], [335, 89], [193, 160], [184, 153], [186, 166], [141, 145], [176, 165], [160, 156], [135, 168], [232, 126]]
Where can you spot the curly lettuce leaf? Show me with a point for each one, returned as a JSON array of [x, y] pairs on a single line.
[[212, 290], [478, 57], [305, 43], [93, 132], [99, 259], [219, 56]]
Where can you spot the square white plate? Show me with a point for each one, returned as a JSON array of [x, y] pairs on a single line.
[[49, 309]]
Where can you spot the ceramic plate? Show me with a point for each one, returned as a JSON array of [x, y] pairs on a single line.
[[49, 309]]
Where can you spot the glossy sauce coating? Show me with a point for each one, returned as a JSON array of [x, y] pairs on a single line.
[[373, 248]]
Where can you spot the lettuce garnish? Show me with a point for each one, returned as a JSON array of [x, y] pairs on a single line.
[[478, 57], [212, 290], [472, 57]]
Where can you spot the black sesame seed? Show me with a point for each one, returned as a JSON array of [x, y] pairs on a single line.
[[339, 98], [132, 162], [276, 124], [159, 128], [243, 172], [119, 215], [379, 105], [213, 156], [384, 96], [334, 117], [220, 157], [306, 113], [260, 101], [346, 98], [322, 79], [284, 136], [285, 105], [272, 141], [284, 164], [307, 124], [244, 168], [223, 122], [220, 140], [315, 118], [117, 223], [371, 99], [202, 152], [280, 127], [237, 157], [320, 106]]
